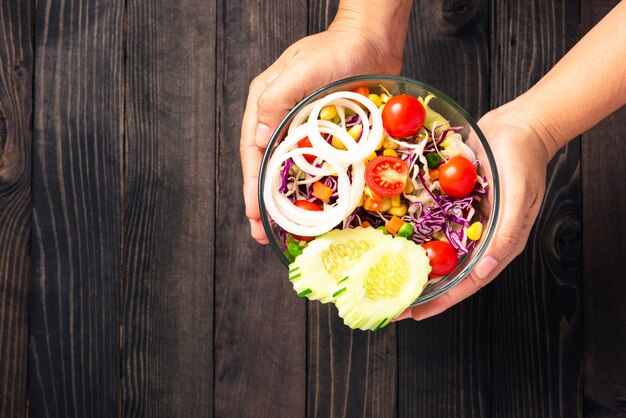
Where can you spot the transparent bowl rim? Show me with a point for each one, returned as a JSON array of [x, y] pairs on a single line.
[[489, 230]]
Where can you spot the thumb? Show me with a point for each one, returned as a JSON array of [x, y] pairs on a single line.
[[281, 95], [510, 235]]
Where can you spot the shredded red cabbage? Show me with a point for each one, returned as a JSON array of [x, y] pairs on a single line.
[[284, 176], [430, 147]]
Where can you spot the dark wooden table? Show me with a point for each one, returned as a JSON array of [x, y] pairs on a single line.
[[129, 285]]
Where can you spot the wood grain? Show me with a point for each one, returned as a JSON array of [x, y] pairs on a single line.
[[16, 69], [444, 361], [77, 223], [536, 317], [169, 198], [604, 230], [350, 373], [260, 341]]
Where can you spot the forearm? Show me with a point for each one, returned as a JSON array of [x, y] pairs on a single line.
[[587, 85], [387, 20]]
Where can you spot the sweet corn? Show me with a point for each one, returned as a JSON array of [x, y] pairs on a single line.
[[444, 144], [397, 210], [336, 142], [390, 152], [381, 107], [384, 98], [386, 205], [360, 201], [389, 144], [370, 157], [355, 131], [409, 187], [376, 99], [474, 231], [328, 112], [395, 201]]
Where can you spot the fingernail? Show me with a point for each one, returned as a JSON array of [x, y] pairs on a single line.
[[486, 266], [263, 134], [404, 315]]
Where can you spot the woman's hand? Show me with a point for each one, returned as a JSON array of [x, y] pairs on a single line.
[[521, 154], [350, 46]]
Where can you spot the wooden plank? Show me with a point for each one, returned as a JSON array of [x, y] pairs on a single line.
[[16, 69], [536, 316], [169, 195], [349, 373], [443, 363], [604, 230], [75, 303], [260, 342]]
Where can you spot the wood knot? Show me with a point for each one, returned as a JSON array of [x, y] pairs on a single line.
[[567, 240], [20, 72], [563, 243], [458, 13]]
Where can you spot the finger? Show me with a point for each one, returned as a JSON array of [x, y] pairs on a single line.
[[251, 154]]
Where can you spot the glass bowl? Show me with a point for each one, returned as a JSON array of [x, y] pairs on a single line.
[[448, 108]]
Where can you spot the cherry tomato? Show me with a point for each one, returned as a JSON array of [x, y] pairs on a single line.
[[306, 143], [304, 204], [457, 177], [443, 258], [386, 175], [403, 116]]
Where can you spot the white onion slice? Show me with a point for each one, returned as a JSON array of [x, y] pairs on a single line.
[[369, 140], [298, 220]]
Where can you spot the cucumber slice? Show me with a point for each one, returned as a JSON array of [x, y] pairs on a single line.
[[323, 263], [383, 284]]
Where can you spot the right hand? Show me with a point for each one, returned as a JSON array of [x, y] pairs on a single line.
[[343, 50]]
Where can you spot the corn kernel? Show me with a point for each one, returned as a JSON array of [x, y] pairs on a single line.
[[355, 131], [360, 201], [328, 112], [395, 201], [336, 142], [445, 143], [384, 98], [386, 205], [399, 211], [390, 152], [376, 99], [381, 107], [474, 231], [389, 144], [370, 157], [409, 187]]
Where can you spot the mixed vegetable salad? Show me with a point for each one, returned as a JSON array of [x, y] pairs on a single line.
[[374, 196]]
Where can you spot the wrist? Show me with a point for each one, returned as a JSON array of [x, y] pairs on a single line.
[[529, 110], [384, 28]]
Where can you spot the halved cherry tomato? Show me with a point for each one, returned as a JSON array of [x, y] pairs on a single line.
[[305, 204], [403, 116], [386, 175], [457, 177], [443, 258], [306, 143]]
